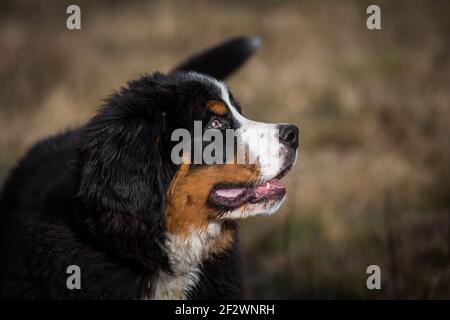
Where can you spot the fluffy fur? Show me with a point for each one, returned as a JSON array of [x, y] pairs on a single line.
[[107, 197]]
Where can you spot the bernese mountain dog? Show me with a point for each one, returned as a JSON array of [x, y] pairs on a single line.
[[108, 199]]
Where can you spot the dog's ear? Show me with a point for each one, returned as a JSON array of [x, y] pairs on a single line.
[[119, 167], [223, 59]]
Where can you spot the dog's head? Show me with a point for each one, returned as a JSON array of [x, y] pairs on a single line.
[[136, 185], [128, 165]]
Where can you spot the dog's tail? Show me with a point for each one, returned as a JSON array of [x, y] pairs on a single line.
[[223, 59]]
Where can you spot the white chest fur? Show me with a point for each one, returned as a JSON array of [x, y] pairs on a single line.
[[186, 255]]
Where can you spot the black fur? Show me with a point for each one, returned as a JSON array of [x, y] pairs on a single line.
[[220, 61], [95, 196]]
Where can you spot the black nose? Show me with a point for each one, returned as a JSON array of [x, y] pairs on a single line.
[[289, 135]]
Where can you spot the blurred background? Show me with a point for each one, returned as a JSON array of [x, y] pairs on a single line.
[[372, 185]]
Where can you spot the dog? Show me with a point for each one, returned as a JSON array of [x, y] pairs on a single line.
[[108, 200]]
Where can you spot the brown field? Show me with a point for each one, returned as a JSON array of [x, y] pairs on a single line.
[[372, 185]]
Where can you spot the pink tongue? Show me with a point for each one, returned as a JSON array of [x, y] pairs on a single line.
[[269, 187], [263, 190], [229, 193]]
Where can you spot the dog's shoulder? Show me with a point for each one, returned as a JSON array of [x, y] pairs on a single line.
[[44, 163], [40, 170]]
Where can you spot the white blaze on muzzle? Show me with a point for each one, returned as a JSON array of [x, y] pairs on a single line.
[[260, 139]]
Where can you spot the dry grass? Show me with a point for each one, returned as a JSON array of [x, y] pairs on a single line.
[[371, 186]]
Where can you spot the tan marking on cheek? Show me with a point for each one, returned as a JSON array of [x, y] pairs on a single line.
[[188, 194], [217, 107]]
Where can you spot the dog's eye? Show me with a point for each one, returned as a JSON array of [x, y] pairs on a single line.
[[216, 124]]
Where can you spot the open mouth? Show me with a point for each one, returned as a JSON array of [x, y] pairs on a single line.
[[233, 196]]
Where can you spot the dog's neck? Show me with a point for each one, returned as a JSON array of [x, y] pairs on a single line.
[[186, 254], [193, 249]]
